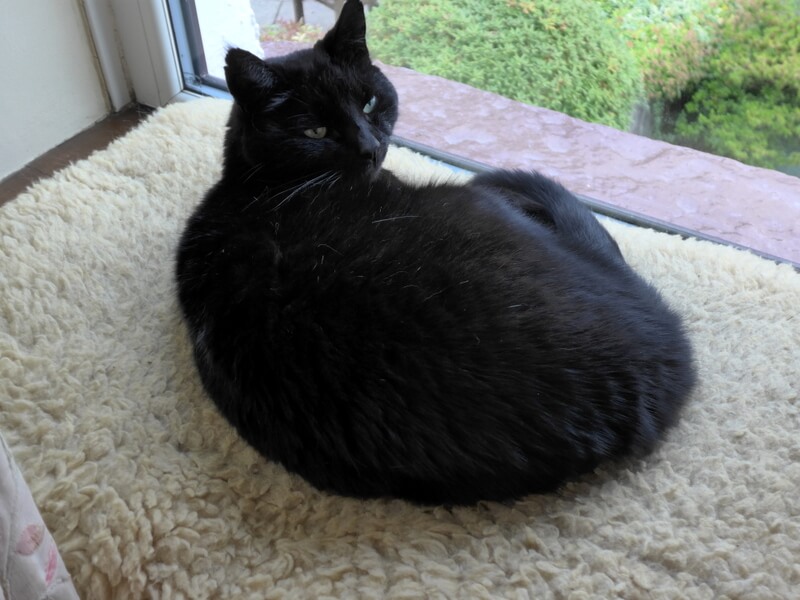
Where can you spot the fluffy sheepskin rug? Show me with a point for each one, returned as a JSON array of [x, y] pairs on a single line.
[[149, 493]]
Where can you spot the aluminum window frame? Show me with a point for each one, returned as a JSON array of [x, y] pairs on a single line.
[[191, 53]]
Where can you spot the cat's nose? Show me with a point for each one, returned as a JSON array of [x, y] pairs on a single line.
[[368, 145]]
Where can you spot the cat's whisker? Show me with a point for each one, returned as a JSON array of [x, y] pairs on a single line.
[[326, 186], [331, 181], [253, 201], [395, 218], [250, 173], [304, 186], [325, 178], [299, 180]]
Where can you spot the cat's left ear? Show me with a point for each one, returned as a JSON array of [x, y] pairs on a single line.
[[347, 41], [248, 77]]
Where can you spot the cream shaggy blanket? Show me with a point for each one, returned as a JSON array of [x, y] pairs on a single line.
[[149, 493]]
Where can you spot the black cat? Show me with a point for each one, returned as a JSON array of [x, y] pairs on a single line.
[[440, 343]]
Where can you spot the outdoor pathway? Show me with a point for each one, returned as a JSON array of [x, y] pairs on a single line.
[[272, 11]]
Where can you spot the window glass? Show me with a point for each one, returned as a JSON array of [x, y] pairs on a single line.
[[722, 76]]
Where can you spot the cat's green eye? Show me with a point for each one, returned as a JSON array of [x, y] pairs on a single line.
[[317, 133], [370, 106]]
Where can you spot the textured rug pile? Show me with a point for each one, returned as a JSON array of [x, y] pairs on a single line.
[[149, 493]]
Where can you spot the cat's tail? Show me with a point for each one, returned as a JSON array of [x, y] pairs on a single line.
[[554, 206]]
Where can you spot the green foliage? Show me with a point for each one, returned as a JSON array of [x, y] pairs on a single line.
[[671, 40], [725, 72], [747, 106], [560, 54]]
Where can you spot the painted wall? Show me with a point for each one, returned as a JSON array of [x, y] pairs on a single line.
[[50, 88]]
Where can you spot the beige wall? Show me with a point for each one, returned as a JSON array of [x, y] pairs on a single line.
[[50, 88]]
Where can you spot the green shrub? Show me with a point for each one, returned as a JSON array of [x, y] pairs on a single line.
[[671, 40], [747, 106], [559, 54]]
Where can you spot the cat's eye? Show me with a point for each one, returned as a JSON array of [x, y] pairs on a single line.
[[317, 133], [370, 106]]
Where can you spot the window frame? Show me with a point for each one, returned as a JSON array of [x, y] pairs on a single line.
[[190, 51], [146, 41]]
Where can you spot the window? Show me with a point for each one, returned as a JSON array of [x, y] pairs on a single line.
[[594, 74]]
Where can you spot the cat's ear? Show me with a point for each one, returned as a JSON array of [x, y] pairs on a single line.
[[347, 41], [249, 78]]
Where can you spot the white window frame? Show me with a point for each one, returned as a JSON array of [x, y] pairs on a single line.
[[136, 51]]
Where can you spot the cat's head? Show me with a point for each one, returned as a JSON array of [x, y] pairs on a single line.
[[325, 109]]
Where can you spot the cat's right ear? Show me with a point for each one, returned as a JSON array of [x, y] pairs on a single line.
[[346, 42], [249, 78]]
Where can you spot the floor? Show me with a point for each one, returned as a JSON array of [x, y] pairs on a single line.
[[74, 149]]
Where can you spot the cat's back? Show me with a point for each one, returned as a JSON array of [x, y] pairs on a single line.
[[373, 260], [431, 303]]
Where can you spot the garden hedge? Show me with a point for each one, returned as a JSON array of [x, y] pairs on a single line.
[[560, 54]]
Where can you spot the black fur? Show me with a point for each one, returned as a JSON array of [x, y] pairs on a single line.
[[442, 343]]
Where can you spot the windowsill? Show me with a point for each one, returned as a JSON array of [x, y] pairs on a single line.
[[718, 197]]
